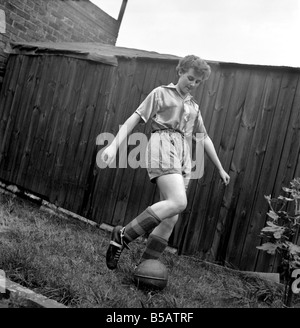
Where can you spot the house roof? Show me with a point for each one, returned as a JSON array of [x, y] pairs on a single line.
[[100, 52]]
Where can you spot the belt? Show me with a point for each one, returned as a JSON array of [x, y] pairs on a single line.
[[168, 130]]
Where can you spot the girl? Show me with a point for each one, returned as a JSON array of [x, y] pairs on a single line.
[[175, 119]]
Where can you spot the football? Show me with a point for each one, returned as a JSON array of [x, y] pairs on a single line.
[[151, 274]]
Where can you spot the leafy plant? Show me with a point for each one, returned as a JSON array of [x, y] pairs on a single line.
[[281, 231]]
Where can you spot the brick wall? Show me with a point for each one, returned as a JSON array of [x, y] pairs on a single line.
[[55, 21]]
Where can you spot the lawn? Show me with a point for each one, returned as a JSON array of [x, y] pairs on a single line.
[[64, 259]]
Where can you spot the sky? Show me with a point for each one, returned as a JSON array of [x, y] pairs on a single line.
[[262, 32]]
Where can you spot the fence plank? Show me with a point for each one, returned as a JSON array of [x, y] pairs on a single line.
[[72, 153], [44, 98], [34, 126], [30, 121], [124, 177], [85, 156], [9, 136], [43, 159], [90, 205], [286, 173], [260, 140], [216, 189], [61, 139], [11, 76], [265, 182], [24, 117], [241, 163], [118, 113], [225, 153]]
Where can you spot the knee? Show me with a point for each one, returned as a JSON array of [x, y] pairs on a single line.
[[180, 204]]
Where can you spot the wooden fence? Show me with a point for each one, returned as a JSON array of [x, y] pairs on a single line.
[[52, 108]]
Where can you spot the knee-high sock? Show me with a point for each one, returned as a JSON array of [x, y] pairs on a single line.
[[145, 222], [154, 247]]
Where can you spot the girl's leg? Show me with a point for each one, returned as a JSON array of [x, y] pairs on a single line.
[[173, 191], [158, 239]]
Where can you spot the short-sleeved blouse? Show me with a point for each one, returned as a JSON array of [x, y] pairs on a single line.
[[169, 110]]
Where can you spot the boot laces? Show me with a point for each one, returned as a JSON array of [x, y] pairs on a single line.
[[123, 243]]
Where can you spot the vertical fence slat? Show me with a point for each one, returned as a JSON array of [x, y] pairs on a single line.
[[90, 203], [118, 113], [8, 91], [125, 176], [74, 138], [241, 162], [216, 189], [86, 151], [268, 174], [24, 118], [38, 155], [9, 136], [286, 172], [30, 121], [61, 140], [42, 161], [226, 153]]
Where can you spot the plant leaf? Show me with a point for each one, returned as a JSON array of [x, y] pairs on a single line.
[[286, 198], [294, 249], [278, 234], [275, 229], [287, 189], [268, 198], [273, 215], [270, 248]]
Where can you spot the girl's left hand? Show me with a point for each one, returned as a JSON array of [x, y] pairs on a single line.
[[225, 177]]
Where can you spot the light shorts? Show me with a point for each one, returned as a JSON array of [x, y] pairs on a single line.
[[168, 153]]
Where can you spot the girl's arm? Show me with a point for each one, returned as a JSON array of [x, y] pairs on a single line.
[[110, 152], [212, 154]]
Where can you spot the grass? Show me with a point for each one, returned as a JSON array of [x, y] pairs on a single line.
[[64, 259]]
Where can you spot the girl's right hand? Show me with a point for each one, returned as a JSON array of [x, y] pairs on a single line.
[[109, 154]]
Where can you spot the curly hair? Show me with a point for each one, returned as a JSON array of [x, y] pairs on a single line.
[[199, 65]]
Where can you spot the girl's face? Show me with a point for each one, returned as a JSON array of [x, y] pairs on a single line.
[[188, 81]]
